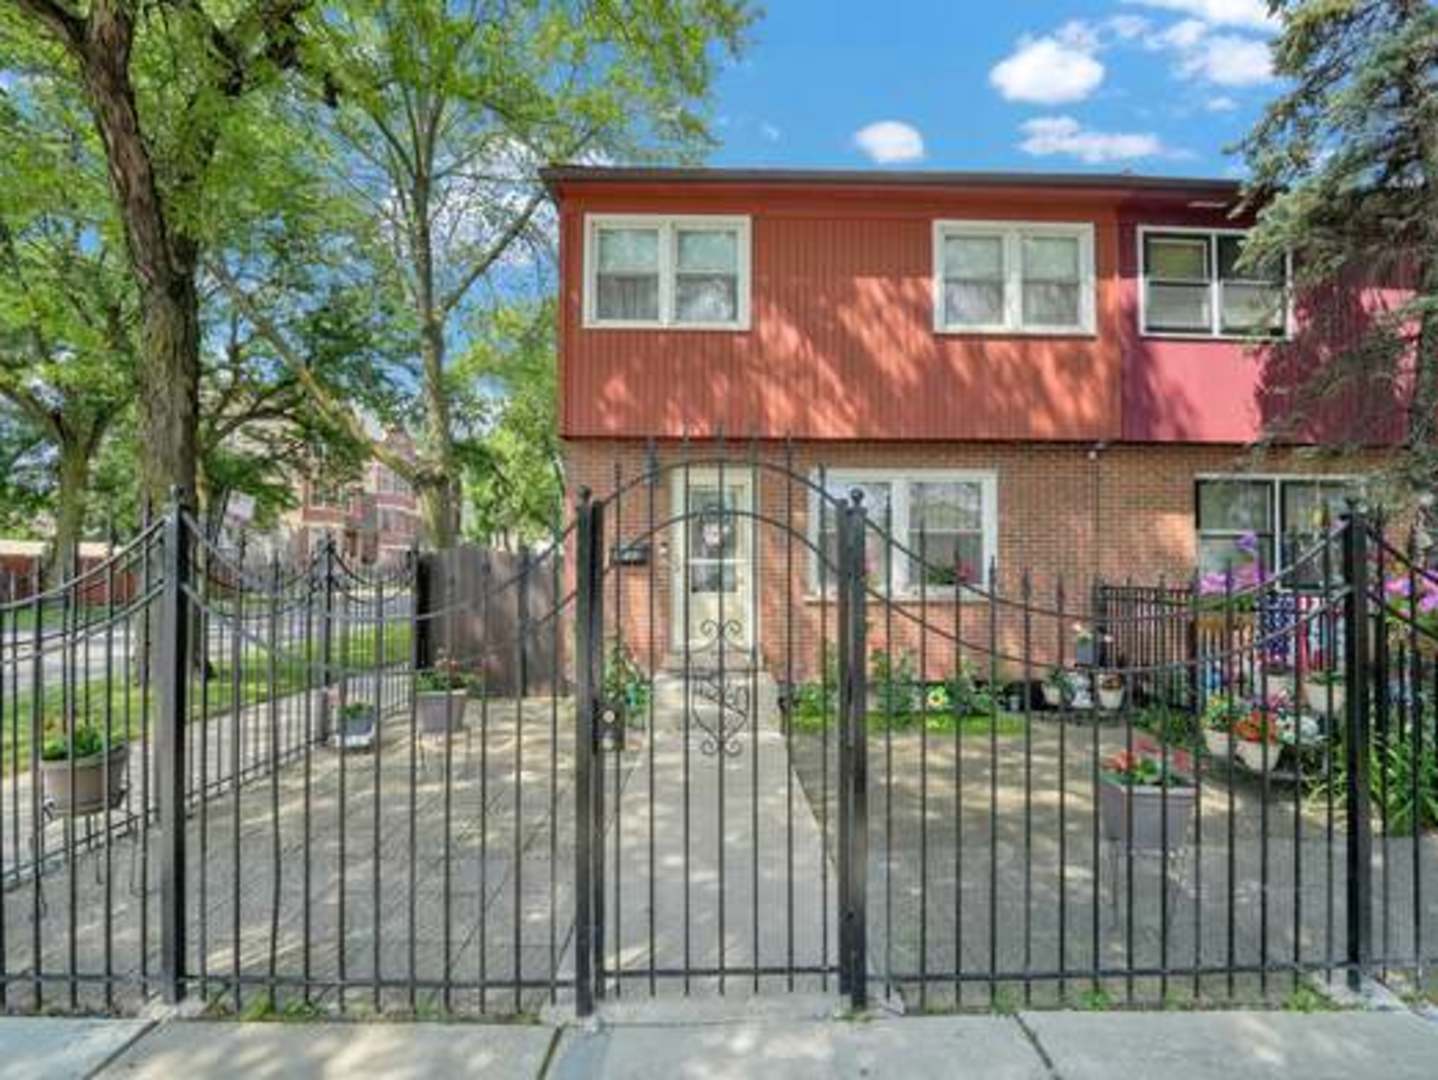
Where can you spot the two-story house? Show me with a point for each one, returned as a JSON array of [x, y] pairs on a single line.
[[1060, 373]]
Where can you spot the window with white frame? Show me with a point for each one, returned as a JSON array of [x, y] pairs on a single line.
[[1279, 520], [1004, 277], [1192, 286], [950, 517], [654, 271]]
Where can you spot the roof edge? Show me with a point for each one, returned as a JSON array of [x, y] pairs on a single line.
[[555, 175]]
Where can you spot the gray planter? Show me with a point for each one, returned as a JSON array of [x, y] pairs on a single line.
[[355, 731], [1148, 822], [437, 710], [89, 782]]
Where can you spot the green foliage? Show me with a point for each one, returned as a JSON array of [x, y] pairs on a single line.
[[1344, 166], [1177, 727], [1304, 998], [87, 740], [625, 684], [1392, 771], [966, 696], [893, 685]]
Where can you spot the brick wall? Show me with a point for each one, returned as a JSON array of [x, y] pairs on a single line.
[[1067, 514]]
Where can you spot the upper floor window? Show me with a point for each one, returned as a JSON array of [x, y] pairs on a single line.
[[1005, 277], [1192, 286], [687, 272]]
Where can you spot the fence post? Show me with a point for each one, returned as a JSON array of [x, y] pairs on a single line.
[[170, 747], [327, 636], [588, 683], [1357, 674], [853, 757], [521, 620]]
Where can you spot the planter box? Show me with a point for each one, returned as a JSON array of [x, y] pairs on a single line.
[[1148, 822], [355, 732], [1316, 696], [89, 782], [436, 710]]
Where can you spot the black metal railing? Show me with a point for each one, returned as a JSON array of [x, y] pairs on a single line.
[[704, 742]]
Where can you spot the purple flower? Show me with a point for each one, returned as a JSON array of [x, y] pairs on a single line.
[[1397, 586], [1248, 543]]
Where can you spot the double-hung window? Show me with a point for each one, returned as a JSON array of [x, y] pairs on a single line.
[[949, 517], [1192, 286], [1004, 277], [1279, 520], [656, 271]]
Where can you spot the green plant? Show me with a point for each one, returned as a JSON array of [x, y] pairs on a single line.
[[356, 710], [1333, 677], [1173, 726], [444, 677], [1305, 999], [1220, 712], [894, 683], [966, 696], [1148, 766], [88, 740], [1392, 770], [625, 684]]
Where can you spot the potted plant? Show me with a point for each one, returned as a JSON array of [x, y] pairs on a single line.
[[1323, 692], [1219, 716], [356, 726], [1137, 789], [1058, 687], [1262, 735], [78, 766], [1108, 686], [440, 694], [1085, 652]]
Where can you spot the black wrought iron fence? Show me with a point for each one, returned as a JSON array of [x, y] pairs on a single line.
[[800, 752]]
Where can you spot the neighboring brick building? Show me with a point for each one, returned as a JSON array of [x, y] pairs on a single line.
[[1057, 374], [372, 520]]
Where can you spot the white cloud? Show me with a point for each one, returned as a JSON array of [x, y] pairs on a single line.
[[1045, 136], [1227, 60], [1249, 14], [1221, 103], [890, 141], [770, 132], [1051, 70], [1128, 27]]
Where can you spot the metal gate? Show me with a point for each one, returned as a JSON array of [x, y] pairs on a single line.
[[700, 862]]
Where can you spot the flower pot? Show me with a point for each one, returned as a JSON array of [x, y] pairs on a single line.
[[1053, 696], [438, 710], [1316, 695], [1253, 755], [1217, 743], [1147, 805], [1110, 699], [89, 778], [356, 730]]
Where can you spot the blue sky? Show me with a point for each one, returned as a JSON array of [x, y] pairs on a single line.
[[1152, 86]]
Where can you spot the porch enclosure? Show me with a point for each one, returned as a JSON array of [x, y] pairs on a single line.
[[734, 729]]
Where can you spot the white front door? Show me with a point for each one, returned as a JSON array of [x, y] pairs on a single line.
[[714, 563]]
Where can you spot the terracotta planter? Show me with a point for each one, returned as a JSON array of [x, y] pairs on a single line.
[[1316, 696], [89, 781], [1147, 805], [437, 709]]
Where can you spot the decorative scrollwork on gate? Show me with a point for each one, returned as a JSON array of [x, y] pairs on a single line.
[[713, 684]]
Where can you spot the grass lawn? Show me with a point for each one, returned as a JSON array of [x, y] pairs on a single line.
[[124, 702], [1004, 723]]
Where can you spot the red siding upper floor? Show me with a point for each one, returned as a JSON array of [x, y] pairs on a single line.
[[841, 343]]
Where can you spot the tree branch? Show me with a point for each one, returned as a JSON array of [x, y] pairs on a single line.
[[63, 23]]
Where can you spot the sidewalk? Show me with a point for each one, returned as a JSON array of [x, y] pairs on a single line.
[[682, 1041]]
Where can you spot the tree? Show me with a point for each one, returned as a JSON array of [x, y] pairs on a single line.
[[446, 113], [167, 86], [1344, 173], [67, 311], [515, 489]]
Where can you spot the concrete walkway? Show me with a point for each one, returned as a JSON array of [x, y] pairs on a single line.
[[796, 1040]]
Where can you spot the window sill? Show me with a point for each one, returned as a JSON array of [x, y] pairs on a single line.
[[1225, 339], [942, 596], [1010, 332], [729, 328]]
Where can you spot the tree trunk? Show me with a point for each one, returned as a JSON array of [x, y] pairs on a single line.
[[72, 483], [163, 264]]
